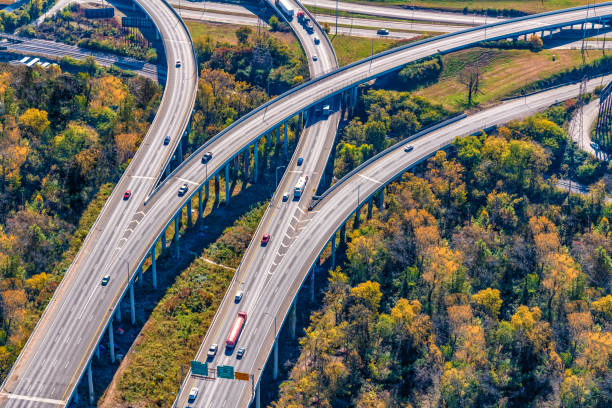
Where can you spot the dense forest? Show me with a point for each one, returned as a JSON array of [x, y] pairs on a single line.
[[63, 138], [481, 284]]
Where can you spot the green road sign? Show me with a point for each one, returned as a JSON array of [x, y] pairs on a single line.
[[225, 372], [198, 368]]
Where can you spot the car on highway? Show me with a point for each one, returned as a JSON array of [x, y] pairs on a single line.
[[315, 58], [206, 157], [317, 41], [240, 353], [408, 149], [265, 239], [178, 63], [166, 140], [127, 195], [382, 31], [300, 161], [184, 188], [212, 350], [193, 394], [105, 280], [286, 196], [238, 296]]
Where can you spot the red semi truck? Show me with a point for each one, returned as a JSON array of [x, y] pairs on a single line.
[[234, 333]]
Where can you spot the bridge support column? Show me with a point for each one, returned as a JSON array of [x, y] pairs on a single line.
[[154, 266], [293, 318], [163, 239], [257, 397], [275, 368], [206, 190], [357, 217], [370, 204], [90, 384], [381, 200], [286, 125], [217, 187], [333, 251], [277, 138], [227, 184], [245, 170], [132, 306], [200, 206], [176, 234], [255, 159], [97, 351], [118, 312], [189, 218], [343, 233], [111, 340], [312, 283], [269, 139]]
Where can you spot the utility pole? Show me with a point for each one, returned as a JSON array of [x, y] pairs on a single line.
[[336, 17]]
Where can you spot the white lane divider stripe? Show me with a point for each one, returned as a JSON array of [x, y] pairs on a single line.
[[143, 177], [187, 181], [35, 399], [369, 178]]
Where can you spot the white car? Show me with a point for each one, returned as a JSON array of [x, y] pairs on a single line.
[[212, 350], [238, 296], [178, 63], [193, 394]]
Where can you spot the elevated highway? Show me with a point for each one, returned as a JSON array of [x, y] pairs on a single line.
[[60, 348]]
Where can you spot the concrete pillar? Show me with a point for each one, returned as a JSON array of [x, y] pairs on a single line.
[[246, 164], [132, 306], [293, 318], [206, 190], [200, 206], [257, 397], [90, 384], [217, 187], [343, 233], [163, 238], [97, 351], [176, 234], [154, 266], [227, 184], [312, 283], [370, 204], [269, 139], [189, 218], [286, 126], [333, 251], [277, 138], [275, 368], [255, 159], [111, 340], [118, 312], [381, 200]]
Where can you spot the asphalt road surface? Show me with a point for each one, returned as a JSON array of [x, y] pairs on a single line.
[[59, 349]]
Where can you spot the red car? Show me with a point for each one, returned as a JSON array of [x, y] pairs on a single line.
[[265, 239], [127, 194]]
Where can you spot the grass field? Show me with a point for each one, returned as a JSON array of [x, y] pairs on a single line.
[[350, 49], [503, 71], [528, 6]]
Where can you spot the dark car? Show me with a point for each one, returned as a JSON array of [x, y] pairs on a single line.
[[265, 239], [240, 353], [166, 140], [127, 195], [184, 188], [105, 280], [408, 149], [300, 161], [382, 31], [206, 157]]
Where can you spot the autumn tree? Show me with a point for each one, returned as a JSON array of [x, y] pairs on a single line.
[[470, 78]]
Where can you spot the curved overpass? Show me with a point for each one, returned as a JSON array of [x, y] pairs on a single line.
[[60, 347], [270, 305]]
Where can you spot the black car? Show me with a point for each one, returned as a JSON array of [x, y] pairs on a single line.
[[184, 188], [166, 140], [206, 157], [408, 149]]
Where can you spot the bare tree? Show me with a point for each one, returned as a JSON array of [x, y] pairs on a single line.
[[470, 77]]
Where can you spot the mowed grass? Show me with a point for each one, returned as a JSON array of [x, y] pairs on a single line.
[[351, 49], [528, 6], [502, 72]]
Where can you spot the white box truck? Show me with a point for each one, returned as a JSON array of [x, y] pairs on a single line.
[[286, 8]]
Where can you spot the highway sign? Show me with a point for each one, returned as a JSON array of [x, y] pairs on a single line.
[[198, 368], [225, 372], [241, 376], [138, 22]]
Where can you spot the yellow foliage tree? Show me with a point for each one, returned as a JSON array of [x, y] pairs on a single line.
[[108, 91], [489, 301], [35, 119], [369, 293]]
